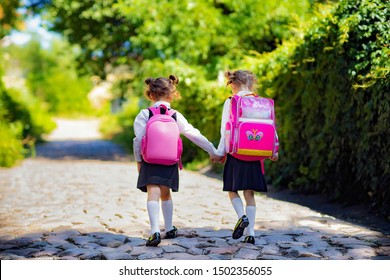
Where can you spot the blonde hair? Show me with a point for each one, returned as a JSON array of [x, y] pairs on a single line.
[[161, 88], [241, 78]]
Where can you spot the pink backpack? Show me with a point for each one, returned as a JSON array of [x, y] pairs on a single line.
[[251, 130], [162, 143]]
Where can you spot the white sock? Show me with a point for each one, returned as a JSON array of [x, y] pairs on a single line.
[[251, 214], [153, 211], [238, 206], [167, 209]]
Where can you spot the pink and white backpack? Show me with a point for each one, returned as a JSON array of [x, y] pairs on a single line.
[[162, 143], [251, 130]]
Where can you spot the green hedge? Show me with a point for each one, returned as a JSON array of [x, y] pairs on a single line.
[[332, 87]]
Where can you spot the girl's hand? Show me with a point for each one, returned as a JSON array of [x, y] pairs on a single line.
[[217, 159], [139, 166], [275, 157]]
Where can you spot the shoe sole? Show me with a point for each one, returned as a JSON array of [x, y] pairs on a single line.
[[239, 231], [170, 236], [153, 243]]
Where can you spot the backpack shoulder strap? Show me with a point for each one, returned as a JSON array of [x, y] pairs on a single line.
[[163, 110], [174, 115], [153, 111]]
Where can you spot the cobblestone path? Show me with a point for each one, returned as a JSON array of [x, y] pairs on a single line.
[[77, 200]]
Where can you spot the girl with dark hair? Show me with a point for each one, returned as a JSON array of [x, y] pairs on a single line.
[[156, 179]]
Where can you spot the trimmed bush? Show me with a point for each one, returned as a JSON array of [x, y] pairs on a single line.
[[332, 92]]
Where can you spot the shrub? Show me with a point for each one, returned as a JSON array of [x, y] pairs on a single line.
[[23, 121], [11, 146], [331, 88]]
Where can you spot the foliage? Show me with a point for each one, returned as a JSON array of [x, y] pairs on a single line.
[[333, 108], [9, 17], [23, 120], [328, 75], [119, 127], [16, 107], [200, 32], [11, 147], [192, 39], [51, 75]]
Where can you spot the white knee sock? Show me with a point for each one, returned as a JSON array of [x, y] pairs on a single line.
[[251, 214], [153, 211], [238, 206], [167, 209]]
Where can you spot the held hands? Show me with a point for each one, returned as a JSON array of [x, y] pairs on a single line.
[[217, 159], [275, 157]]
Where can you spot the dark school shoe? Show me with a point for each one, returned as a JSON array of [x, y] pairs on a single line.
[[154, 239], [249, 239], [172, 233], [241, 224]]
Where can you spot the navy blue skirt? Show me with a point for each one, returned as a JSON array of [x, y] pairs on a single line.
[[156, 174], [239, 175]]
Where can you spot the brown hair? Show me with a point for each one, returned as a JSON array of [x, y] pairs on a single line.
[[161, 88], [241, 78]]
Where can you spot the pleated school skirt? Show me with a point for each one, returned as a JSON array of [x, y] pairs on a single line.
[[156, 174], [239, 175]]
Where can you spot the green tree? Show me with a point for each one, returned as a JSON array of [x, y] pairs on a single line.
[[9, 17], [200, 32]]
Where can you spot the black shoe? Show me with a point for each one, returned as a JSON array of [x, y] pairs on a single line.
[[154, 239], [249, 239], [238, 231], [172, 233]]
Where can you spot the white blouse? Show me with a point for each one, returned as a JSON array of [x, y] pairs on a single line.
[[185, 128], [221, 151]]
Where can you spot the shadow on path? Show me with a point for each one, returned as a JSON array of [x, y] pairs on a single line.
[[77, 139], [81, 149], [359, 214]]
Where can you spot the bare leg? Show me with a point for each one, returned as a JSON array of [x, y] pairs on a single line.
[[237, 203], [249, 196]]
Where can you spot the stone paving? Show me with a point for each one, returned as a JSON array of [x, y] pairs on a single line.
[[59, 207]]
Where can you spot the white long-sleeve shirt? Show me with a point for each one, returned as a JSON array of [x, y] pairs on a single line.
[[221, 151], [185, 128]]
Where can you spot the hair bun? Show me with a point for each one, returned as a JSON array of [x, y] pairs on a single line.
[[149, 80], [174, 79], [229, 75]]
